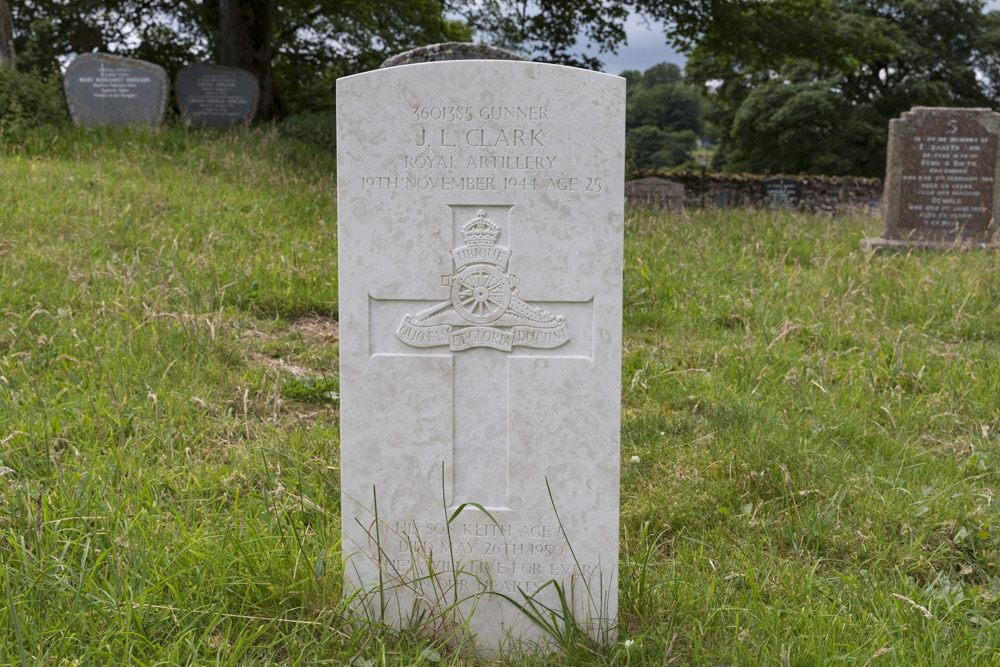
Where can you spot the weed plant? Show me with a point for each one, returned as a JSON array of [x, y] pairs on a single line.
[[810, 443]]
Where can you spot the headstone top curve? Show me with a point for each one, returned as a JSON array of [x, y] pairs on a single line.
[[411, 70], [447, 51]]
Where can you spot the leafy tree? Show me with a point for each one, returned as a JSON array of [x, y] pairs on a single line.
[[305, 44], [320, 40], [548, 30], [633, 79], [786, 125], [650, 147], [26, 102], [663, 73], [296, 48], [164, 31], [674, 106], [661, 117], [6, 36], [831, 78], [246, 30]]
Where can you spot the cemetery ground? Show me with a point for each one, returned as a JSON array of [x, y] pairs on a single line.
[[810, 443]]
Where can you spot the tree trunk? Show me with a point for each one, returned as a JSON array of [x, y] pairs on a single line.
[[6, 36], [245, 35]]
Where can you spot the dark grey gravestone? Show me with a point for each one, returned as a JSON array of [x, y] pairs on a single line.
[[723, 198], [216, 95], [941, 186], [873, 205], [781, 192], [655, 192], [450, 51], [102, 89]]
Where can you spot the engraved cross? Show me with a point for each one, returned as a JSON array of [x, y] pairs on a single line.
[[481, 323]]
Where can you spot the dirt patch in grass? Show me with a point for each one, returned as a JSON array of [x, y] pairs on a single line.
[[280, 350], [321, 329], [279, 364]]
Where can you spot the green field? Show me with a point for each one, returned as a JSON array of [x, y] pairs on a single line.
[[810, 442]]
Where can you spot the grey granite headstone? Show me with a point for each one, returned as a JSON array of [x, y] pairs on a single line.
[[655, 192], [450, 51], [102, 89], [216, 95], [781, 192], [941, 189]]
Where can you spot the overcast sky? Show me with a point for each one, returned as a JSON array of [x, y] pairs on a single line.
[[647, 46]]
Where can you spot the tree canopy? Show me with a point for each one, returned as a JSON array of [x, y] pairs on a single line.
[[810, 85], [303, 45], [662, 117], [788, 85], [6, 36]]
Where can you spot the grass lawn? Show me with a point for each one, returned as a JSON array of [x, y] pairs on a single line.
[[810, 443]]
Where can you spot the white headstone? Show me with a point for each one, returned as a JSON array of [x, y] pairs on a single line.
[[480, 208]]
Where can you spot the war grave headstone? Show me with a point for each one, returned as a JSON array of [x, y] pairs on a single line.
[[657, 192], [940, 185], [103, 89], [481, 225], [211, 95], [780, 193]]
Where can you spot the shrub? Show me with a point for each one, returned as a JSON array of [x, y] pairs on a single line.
[[318, 129], [26, 101], [649, 147]]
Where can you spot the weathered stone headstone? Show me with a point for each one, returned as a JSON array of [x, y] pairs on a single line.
[[656, 192], [781, 192], [480, 208], [102, 89], [216, 95], [941, 185]]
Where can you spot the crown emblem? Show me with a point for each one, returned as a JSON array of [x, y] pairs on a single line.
[[480, 230]]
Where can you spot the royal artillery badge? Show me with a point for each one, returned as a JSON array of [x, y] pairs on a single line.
[[484, 309]]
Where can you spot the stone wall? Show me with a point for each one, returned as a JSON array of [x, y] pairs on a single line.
[[831, 195]]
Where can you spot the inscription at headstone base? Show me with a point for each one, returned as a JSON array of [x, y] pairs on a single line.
[[480, 213], [783, 192], [657, 192], [941, 186], [103, 89], [216, 95]]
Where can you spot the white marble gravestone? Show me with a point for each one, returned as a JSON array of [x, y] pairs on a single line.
[[480, 208]]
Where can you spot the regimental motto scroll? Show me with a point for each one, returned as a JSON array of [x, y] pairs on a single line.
[[484, 309]]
